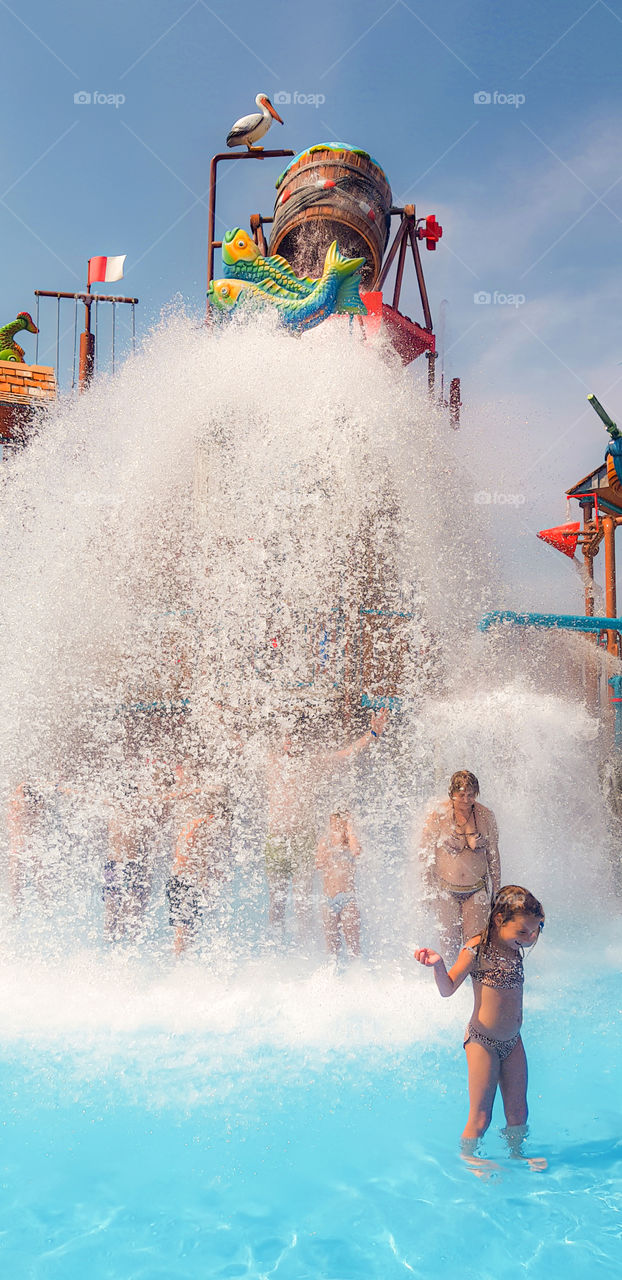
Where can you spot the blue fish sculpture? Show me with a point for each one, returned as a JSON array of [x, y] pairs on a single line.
[[242, 260], [337, 288]]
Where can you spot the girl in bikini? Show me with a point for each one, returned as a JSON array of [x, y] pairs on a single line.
[[336, 858], [460, 861], [492, 1040]]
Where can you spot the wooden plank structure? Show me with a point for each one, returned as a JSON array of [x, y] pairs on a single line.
[[23, 389], [597, 488], [327, 195]]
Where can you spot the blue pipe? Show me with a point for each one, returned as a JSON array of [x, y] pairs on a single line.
[[393, 704], [569, 623], [566, 621]]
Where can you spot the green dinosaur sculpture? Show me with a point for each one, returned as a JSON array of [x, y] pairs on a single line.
[[9, 349]]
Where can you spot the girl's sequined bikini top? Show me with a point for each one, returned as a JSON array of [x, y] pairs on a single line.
[[495, 970]]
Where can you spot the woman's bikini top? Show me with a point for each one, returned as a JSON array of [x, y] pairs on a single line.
[[465, 835], [497, 971]]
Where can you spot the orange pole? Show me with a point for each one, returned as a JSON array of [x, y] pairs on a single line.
[[87, 347], [590, 669], [588, 560], [609, 529]]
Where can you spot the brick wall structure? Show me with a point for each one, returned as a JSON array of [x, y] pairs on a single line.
[[23, 387]]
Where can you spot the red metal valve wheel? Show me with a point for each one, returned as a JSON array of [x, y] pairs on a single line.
[[431, 232]]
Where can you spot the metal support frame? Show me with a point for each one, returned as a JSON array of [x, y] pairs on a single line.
[[212, 243], [588, 551], [87, 337], [257, 224], [609, 529], [599, 528], [406, 232]]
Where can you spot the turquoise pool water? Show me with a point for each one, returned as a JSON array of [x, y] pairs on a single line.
[[305, 1127]]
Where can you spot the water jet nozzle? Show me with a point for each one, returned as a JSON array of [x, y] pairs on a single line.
[[604, 417]]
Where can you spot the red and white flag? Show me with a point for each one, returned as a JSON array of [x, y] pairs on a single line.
[[106, 270]]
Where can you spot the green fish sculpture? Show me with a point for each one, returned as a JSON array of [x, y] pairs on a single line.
[[241, 260], [9, 348], [337, 289]]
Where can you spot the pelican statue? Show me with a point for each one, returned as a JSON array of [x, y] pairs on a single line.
[[251, 128]]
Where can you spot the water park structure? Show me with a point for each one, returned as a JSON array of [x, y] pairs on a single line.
[[333, 191], [323, 627], [599, 495], [327, 193], [210, 584]]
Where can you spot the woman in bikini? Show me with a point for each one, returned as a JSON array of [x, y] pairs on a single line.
[[460, 861]]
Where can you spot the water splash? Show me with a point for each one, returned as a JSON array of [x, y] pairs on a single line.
[[181, 548]]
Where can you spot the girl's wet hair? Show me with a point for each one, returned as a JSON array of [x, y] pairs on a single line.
[[343, 814], [463, 778], [512, 900]]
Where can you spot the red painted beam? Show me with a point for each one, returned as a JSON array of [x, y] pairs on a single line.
[[408, 338]]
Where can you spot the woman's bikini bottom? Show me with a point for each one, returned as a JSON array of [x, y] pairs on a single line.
[[465, 891]]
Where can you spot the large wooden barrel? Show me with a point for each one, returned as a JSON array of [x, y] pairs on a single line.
[[332, 193], [612, 475]]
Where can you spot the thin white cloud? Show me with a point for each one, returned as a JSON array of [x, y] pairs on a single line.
[[526, 369]]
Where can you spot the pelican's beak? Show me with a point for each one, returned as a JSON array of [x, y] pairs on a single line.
[[272, 111]]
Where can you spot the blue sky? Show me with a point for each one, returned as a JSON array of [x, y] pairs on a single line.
[[529, 192]]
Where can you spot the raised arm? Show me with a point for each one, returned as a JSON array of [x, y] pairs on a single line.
[[447, 982], [376, 729]]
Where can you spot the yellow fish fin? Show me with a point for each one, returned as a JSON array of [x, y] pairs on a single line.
[[283, 265], [335, 261]]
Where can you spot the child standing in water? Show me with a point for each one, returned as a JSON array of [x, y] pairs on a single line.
[[494, 1049], [336, 857]]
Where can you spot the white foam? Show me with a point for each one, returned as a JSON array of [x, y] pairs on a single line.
[[207, 494]]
